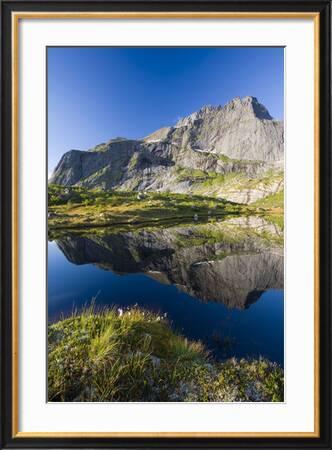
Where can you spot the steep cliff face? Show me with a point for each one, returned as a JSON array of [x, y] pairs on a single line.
[[200, 154], [243, 129], [230, 262]]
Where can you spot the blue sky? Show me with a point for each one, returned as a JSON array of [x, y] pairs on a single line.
[[95, 94]]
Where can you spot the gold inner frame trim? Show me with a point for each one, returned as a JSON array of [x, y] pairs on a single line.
[[165, 15], [16, 17]]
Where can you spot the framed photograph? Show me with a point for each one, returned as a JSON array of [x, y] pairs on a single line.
[[165, 224]]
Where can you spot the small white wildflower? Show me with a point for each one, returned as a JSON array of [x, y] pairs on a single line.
[[120, 311], [155, 361]]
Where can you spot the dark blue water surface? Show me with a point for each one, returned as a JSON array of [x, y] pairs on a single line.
[[80, 269]]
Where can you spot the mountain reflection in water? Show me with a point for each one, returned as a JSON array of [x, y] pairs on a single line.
[[219, 282]]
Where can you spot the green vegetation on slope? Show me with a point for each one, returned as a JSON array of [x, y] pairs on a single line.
[[71, 207], [272, 201], [241, 181], [184, 174], [134, 355], [224, 158], [204, 178], [227, 184]]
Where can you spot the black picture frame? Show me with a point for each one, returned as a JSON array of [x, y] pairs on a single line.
[[324, 441]]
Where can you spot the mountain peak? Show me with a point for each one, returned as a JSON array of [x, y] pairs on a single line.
[[242, 130], [250, 104], [245, 105]]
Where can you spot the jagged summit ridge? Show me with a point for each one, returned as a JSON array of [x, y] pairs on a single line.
[[246, 105], [241, 129]]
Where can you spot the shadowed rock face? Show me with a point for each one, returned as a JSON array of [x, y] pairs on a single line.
[[238, 137], [220, 262]]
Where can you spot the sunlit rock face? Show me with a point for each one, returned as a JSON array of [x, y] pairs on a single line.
[[242, 129], [232, 262], [240, 137]]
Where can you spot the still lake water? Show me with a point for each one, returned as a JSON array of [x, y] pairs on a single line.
[[226, 292]]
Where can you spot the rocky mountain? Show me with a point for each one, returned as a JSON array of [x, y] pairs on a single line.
[[233, 151], [231, 262]]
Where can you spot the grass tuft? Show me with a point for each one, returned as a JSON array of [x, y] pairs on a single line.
[[134, 355]]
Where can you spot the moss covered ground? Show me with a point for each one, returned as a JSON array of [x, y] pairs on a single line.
[[134, 355]]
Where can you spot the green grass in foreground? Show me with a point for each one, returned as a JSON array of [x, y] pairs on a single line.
[[134, 355]]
